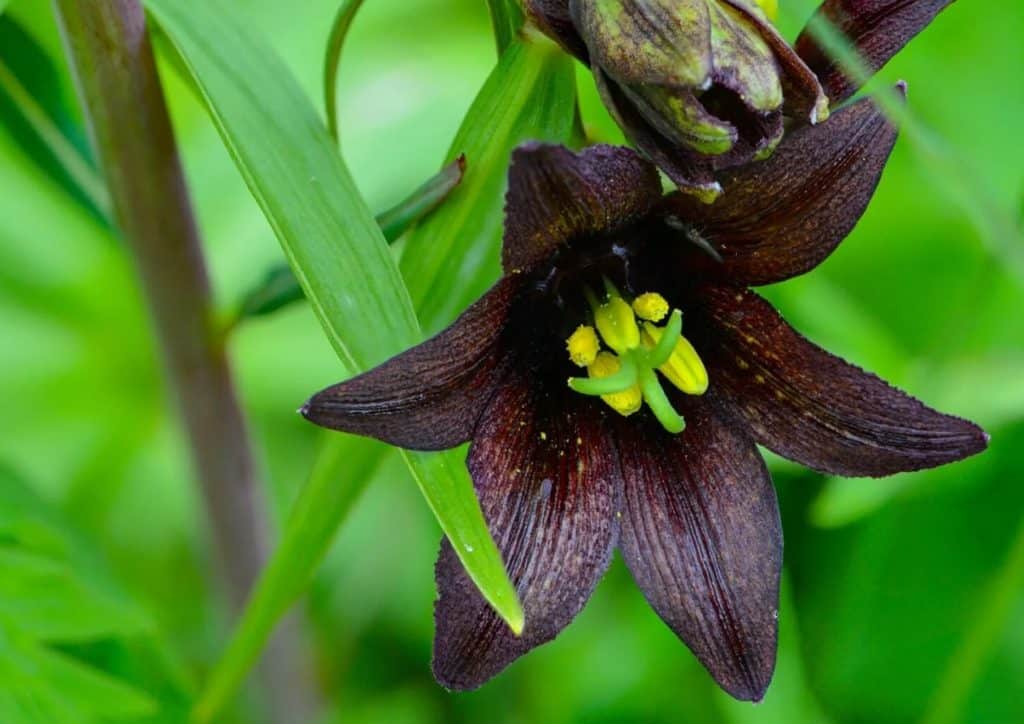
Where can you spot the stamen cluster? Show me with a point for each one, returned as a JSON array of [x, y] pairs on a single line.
[[624, 376]]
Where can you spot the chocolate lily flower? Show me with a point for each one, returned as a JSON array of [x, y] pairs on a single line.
[[703, 85], [596, 424]]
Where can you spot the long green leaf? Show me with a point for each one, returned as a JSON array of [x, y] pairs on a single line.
[[33, 109], [451, 257], [336, 249], [507, 19], [339, 30], [279, 288]]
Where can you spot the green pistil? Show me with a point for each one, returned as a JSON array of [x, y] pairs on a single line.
[[663, 350], [618, 382], [654, 396], [638, 365]]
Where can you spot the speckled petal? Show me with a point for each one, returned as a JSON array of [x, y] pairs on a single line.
[[431, 396], [702, 537], [782, 217], [876, 30], [556, 196], [812, 407], [547, 480]]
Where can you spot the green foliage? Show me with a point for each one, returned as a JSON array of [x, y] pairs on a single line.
[[54, 594], [339, 30], [279, 287], [43, 123], [326, 231], [507, 18], [904, 595], [529, 95]]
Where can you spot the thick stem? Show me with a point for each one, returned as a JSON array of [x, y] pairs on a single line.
[[110, 53]]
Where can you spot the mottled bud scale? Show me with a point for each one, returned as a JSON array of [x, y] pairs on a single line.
[[698, 85]]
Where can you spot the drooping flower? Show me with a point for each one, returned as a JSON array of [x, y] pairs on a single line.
[[704, 85], [614, 382]]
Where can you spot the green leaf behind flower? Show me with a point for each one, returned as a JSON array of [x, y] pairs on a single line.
[[451, 258], [343, 263]]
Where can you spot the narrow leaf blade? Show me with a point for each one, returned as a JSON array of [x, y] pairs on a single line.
[[530, 95], [329, 235]]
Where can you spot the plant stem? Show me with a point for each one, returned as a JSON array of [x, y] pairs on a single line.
[[112, 59]]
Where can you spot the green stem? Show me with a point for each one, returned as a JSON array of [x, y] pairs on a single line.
[[110, 53], [321, 508], [76, 167]]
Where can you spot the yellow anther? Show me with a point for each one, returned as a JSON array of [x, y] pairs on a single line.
[[770, 7], [583, 346], [650, 306], [617, 325], [626, 402], [684, 368], [604, 365]]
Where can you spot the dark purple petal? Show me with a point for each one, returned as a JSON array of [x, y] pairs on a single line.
[[555, 196], [812, 407], [876, 30], [547, 480], [804, 97], [431, 396], [781, 217], [552, 16], [702, 536]]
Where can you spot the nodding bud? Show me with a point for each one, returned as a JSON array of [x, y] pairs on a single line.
[[698, 85]]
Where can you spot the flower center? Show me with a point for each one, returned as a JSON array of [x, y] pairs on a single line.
[[625, 377]]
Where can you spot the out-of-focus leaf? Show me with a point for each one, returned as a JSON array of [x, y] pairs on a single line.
[[338, 254], [507, 19], [332, 58], [45, 599], [453, 256], [52, 592], [980, 639], [41, 686], [34, 111], [890, 597], [279, 287]]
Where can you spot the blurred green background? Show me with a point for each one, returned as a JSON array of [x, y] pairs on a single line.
[[903, 598]]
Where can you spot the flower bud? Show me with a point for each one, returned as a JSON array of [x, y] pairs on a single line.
[[698, 85]]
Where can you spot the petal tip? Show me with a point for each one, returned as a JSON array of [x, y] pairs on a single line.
[[308, 409], [752, 686]]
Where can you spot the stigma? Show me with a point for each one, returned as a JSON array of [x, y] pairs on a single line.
[[626, 374]]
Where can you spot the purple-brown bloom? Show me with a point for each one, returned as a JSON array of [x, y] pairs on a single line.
[[700, 86], [653, 451]]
